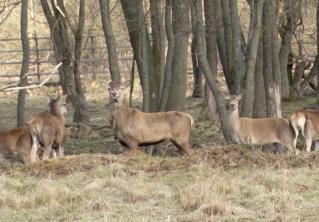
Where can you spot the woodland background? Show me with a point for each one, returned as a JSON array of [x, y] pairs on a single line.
[[178, 55]]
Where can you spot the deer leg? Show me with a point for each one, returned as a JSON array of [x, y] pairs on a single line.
[[47, 151], [133, 148], [61, 150], [308, 143], [183, 146], [34, 149]]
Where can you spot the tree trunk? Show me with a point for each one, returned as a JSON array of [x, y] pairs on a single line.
[[83, 115], [198, 88], [169, 55], [158, 40], [221, 44], [288, 29], [253, 41], [212, 82], [238, 56], [211, 44], [63, 53], [181, 30], [25, 62], [260, 93], [140, 41], [233, 88], [110, 41], [270, 71]]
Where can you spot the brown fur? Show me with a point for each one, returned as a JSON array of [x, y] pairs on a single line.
[[48, 127], [307, 121], [260, 131], [134, 127], [17, 143]]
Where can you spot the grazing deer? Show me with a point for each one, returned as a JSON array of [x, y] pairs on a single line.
[[260, 131], [48, 127], [134, 127], [17, 143], [306, 120]]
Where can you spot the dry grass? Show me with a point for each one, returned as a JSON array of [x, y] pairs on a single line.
[[217, 183]]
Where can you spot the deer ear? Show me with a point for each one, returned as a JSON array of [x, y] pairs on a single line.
[[63, 98], [239, 97], [227, 97]]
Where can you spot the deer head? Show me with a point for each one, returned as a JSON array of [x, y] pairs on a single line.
[[115, 90], [232, 102], [58, 104]]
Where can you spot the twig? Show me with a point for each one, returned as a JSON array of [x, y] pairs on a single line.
[[6, 88]]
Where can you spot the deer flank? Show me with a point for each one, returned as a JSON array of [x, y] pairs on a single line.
[[307, 121]]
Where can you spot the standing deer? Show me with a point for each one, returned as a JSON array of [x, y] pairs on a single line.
[[306, 120], [17, 143], [134, 127], [260, 131], [48, 127]]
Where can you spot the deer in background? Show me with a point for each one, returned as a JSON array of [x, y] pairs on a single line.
[[18, 144], [260, 131], [306, 120], [134, 127], [48, 127]]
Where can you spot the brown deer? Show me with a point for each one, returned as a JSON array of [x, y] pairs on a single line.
[[260, 131], [306, 120], [48, 127], [17, 143], [133, 127]]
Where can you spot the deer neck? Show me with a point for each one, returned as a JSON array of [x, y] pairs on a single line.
[[119, 112], [55, 112], [234, 118]]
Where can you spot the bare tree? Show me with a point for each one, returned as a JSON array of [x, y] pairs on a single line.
[[256, 10], [58, 24], [181, 30], [25, 62], [211, 79], [169, 55], [110, 40]]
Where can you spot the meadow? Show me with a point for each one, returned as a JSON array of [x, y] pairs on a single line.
[[96, 182]]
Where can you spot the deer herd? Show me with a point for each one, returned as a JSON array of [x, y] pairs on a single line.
[[45, 133]]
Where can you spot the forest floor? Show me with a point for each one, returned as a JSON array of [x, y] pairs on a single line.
[[96, 182]]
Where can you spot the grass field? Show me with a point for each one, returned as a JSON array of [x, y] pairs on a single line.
[[95, 182]]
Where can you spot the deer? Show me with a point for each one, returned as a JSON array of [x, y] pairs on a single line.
[[18, 144], [48, 127], [133, 127], [260, 131], [307, 121]]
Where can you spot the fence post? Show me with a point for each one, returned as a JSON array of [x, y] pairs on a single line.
[[93, 55], [37, 56]]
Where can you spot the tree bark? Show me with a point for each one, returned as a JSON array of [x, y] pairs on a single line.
[[181, 30], [212, 82], [260, 93], [233, 89], [198, 88], [236, 43], [158, 40], [317, 67], [110, 41], [169, 55], [78, 36], [25, 63], [251, 55], [270, 69], [288, 29], [140, 41]]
